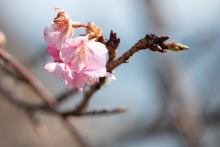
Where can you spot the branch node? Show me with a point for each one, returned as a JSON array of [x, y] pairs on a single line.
[[157, 43], [112, 45], [126, 61]]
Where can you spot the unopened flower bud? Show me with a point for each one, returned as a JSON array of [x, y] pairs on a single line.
[[93, 30], [176, 46]]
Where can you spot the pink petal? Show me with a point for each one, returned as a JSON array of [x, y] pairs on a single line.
[[55, 34], [79, 79], [79, 59], [55, 68], [95, 74], [66, 53], [53, 51], [52, 33], [102, 72], [77, 65], [97, 61], [79, 40], [72, 47], [69, 80], [61, 69], [97, 47], [109, 75]]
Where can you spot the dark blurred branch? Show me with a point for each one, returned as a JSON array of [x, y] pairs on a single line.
[[87, 96], [186, 119], [66, 94], [15, 97], [10, 69], [106, 111], [38, 86], [99, 111], [156, 13]]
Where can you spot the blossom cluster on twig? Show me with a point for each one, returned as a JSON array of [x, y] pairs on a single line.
[[80, 60]]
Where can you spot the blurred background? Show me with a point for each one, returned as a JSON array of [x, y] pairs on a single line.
[[173, 98]]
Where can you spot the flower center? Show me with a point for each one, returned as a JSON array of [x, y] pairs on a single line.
[[80, 55]]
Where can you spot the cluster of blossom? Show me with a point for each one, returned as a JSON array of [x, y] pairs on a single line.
[[80, 60]]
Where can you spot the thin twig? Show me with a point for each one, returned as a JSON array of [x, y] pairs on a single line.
[[151, 41], [66, 94], [38, 86], [106, 111], [11, 70], [103, 111], [80, 108], [18, 100]]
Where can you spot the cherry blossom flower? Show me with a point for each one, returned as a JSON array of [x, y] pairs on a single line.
[[74, 79], [79, 61], [62, 27], [86, 76], [81, 53]]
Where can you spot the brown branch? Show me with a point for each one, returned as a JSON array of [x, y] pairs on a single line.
[[18, 100], [11, 70], [38, 86], [151, 41], [80, 108], [112, 45], [106, 111], [66, 94], [99, 111]]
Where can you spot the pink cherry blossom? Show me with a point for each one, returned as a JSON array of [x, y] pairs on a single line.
[[74, 79], [62, 27], [78, 61], [89, 77], [86, 76], [55, 34], [81, 53]]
